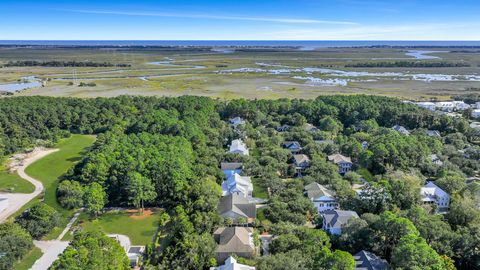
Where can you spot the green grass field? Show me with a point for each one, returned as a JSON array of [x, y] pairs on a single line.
[[11, 182], [49, 169], [28, 260], [140, 228]]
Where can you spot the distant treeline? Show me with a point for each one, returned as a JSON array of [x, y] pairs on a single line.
[[407, 64], [32, 63]]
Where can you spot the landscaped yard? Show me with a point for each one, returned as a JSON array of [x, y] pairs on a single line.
[[139, 227], [29, 259], [258, 190], [11, 182]]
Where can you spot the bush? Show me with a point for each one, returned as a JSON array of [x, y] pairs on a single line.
[[38, 220]]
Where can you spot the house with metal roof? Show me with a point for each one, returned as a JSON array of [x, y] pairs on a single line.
[[334, 220], [365, 260]]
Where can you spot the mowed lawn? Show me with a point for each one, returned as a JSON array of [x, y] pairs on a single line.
[[140, 228], [11, 182], [49, 169], [30, 258]]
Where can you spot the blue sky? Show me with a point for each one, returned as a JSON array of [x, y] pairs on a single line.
[[240, 20]]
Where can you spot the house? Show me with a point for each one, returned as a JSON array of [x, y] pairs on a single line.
[[401, 129], [446, 106], [231, 264], [433, 133], [365, 260], [436, 160], [239, 147], [231, 168], [134, 253], [293, 146], [3, 204], [309, 127], [334, 220], [476, 113], [236, 121], [460, 105], [432, 194], [241, 185], [235, 206], [283, 128], [344, 163], [364, 145], [322, 198], [302, 162], [477, 105], [234, 240], [427, 105]]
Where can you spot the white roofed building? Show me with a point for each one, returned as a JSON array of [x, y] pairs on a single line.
[[236, 184], [232, 264], [427, 105], [432, 194], [476, 113], [238, 146]]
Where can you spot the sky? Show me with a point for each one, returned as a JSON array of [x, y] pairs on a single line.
[[240, 20]]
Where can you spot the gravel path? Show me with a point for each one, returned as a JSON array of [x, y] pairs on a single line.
[[17, 200]]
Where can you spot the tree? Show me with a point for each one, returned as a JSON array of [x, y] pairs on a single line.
[[92, 250], [38, 220], [414, 253], [15, 242], [284, 243], [451, 181], [140, 190], [70, 194], [404, 188], [94, 198], [341, 260]]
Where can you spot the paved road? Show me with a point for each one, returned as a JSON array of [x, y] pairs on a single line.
[[51, 250], [17, 200]]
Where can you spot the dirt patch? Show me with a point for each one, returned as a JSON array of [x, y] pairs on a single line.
[[136, 214]]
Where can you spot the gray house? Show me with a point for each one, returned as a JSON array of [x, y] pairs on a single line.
[[401, 129], [234, 241], [293, 146], [334, 220], [302, 162], [235, 206], [368, 261]]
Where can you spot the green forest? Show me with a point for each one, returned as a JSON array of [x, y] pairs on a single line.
[[166, 152]]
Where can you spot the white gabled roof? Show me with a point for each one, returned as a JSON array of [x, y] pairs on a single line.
[[430, 191], [237, 183], [231, 264], [238, 146]]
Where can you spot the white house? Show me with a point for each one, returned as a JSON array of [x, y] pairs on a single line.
[[134, 253], [476, 113], [236, 121], [432, 194], [3, 204], [460, 105], [427, 105], [334, 220], [344, 163], [232, 264], [236, 184], [436, 160], [447, 106], [477, 104], [238, 146], [322, 198]]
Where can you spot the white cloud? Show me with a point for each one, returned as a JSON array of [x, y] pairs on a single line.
[[214, 17]]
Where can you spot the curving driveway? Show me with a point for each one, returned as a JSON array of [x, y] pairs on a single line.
[[17, 200]]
